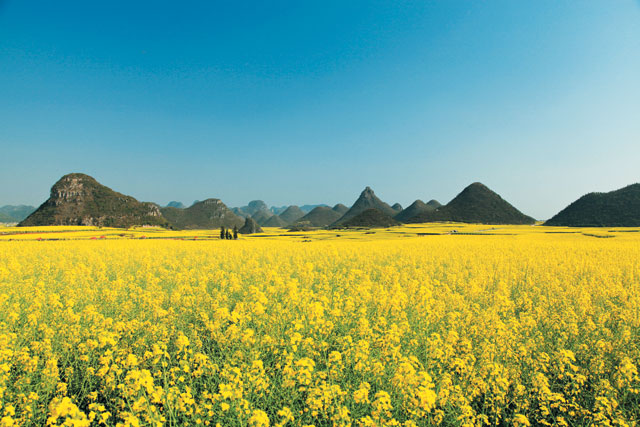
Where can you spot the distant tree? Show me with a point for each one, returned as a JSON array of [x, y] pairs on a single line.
[[235, 232], [222, 233], [228, 234]]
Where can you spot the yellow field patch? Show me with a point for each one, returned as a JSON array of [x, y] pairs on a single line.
[[447, 324]]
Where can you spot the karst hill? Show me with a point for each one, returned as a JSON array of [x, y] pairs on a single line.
[[475, 204], [78, 199], [619, 208], [209, 213], [366, 200]]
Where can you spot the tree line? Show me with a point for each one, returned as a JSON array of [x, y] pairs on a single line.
[[228, 234]]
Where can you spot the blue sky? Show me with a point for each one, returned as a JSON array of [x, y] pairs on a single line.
[[309, 102]]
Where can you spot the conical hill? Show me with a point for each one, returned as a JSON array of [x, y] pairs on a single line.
[[367, 200], [476, 204]]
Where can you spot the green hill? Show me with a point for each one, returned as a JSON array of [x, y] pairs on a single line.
[[414, 209], [619, 208], [367, 200], [78, 199], [340, 208], [275, 221], [434, 204], [308, 208], [370, 218], [476, 204], [291, 214], [261, 216], [207, 214], [320, 216]]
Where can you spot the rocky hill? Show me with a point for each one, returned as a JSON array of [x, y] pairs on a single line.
[[250, 226], [367, 200], [204, 215], [320, 216], [476, 204], [370, 218], [397, 207], [416, 208], [78, 199], [619, 208]]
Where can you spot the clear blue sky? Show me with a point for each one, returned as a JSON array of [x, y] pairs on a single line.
[[309, 102]]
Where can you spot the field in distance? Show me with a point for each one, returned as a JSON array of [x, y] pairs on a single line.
[[53, 233], [424, 324]]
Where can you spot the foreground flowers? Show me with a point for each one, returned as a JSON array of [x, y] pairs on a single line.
[[531, 329]]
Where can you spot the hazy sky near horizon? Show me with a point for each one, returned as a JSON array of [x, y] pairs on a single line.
[[309, 102]]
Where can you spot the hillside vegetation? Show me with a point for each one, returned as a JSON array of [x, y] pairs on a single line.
[[619, 208], [475, 204]]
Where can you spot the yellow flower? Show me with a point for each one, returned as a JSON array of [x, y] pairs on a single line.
[[259, 419], [521, 420]]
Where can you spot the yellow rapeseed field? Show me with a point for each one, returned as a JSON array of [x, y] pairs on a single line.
[[409, 326]]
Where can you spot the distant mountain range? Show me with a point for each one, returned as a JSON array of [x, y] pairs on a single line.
[[78, 199], [11, 214]]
